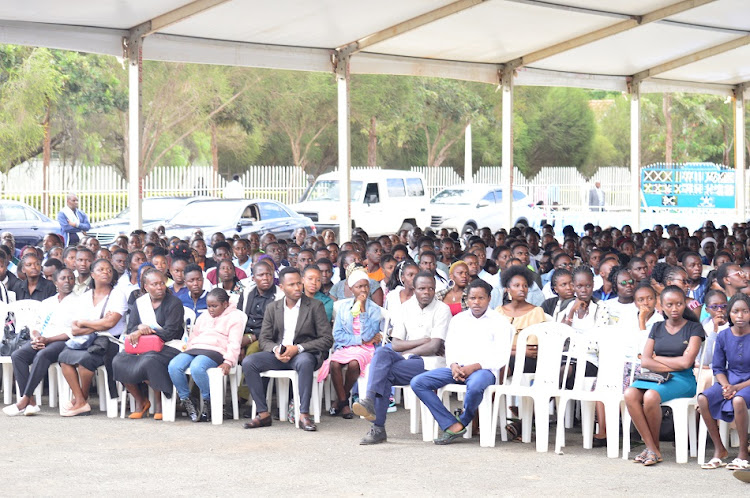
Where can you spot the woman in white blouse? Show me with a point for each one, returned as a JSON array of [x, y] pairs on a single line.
[[100, 310]]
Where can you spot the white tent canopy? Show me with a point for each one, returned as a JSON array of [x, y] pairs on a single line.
[[635, 46]]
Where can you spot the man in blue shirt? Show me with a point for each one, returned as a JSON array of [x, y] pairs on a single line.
[[72, 221]]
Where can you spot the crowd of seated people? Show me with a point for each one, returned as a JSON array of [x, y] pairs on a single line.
[[417, 308]]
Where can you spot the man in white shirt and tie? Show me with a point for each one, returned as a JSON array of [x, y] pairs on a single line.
[[476, 348]]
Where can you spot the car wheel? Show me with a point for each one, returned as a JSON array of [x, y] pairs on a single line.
[[468, 226], [522, 222]]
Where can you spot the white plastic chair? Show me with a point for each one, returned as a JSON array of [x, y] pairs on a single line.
[[608, 389], [535, 398], [685, 424], [283, 378], [25, 312], [218, 385], [106, 402]]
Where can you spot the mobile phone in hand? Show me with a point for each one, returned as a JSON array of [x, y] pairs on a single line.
[[282, 350]]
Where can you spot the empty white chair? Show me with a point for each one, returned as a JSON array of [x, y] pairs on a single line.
[[608, 389], [536, 397]]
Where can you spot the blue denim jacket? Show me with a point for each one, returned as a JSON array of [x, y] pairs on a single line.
[[343, 331]]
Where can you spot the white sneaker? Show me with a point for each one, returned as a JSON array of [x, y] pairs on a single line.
[[12, 411], [31, 410]]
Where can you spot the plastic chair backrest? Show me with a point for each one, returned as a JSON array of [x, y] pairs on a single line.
[[551, 338], [26, 312], [610, 341]]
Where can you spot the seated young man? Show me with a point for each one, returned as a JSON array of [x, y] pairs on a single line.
[[418, 336], [295, 335], [476, 348]]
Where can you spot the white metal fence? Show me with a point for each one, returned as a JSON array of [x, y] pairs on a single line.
[[103, 192]]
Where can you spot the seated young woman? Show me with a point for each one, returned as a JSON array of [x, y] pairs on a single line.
[[729, 398], [356, 330], [455, 294], [562, 286], [213, 342], [52, 329], [160, 313], [101, 310], [671, 348]]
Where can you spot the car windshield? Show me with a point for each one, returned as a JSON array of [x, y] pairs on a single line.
[[455, 196], [207, 213], [328, 190], [156, 209]]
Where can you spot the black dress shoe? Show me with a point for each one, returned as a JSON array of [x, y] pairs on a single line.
[[306, 423], [599, 442], [258, 422]]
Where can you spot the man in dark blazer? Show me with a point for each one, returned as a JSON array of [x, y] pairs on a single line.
[[295, 335]]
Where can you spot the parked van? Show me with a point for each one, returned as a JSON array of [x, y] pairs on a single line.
[[382, 201]]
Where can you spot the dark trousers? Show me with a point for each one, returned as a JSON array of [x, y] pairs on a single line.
[[388, 368], [254, 365], [38, 360]]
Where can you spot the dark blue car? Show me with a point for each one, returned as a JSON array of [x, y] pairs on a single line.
[[27, 225]]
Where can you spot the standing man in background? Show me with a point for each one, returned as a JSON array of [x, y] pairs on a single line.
[[234, 189], [596, 197], [72, 221]]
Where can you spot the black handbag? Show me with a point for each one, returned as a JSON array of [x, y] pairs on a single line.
[[659, 378], [11, 341]]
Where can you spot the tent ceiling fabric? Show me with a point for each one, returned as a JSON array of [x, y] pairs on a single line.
[[470, 44]]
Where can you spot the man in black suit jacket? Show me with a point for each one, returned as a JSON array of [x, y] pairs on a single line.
[[295, 334]]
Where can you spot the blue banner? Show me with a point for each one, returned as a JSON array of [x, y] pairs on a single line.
[[693, 185]]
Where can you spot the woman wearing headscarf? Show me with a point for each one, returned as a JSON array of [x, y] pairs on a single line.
[[356, 330]]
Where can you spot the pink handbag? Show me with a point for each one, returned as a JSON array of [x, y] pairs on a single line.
[[146, 344]]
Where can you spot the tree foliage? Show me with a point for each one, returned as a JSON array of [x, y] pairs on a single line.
[[233, 117]]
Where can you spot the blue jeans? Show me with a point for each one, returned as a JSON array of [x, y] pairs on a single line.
[[198, 366], [388, 368], [424, 386]]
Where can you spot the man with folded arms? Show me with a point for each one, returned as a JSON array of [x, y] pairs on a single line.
[[476, 348], [295, 335], [416, 344]]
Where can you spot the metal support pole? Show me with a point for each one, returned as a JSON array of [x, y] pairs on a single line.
[[739, 152], [345, 147], [468, 166], [134, 54], [507, 159], [635, 155]]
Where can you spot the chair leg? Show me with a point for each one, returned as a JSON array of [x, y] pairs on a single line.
[[680, 432], [625, 416], [169, 406], [315, 400], [587, 423], [526, 410], [702, 437], [7, 383], [612, 415], [282, 393], [692, 431], [429, 426], [562, 414], [295, 399], [234, 386], [414, 416], [216, 389], [541, 422], [499, 414], [101, 389], [570, 414], [487, 431], [52, 376]]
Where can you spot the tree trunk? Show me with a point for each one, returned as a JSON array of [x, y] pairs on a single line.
[[667, 107], [372, 144], [46, 155]]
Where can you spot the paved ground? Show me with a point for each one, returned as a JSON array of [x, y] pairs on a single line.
[[94, 456]]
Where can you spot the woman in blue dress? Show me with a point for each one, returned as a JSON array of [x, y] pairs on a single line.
[[671, 348], [729, 398]]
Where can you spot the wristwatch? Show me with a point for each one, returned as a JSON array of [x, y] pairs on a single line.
[[300, 349]]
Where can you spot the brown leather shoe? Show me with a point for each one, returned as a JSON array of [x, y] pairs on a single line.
[[306, 423], [258, 422]]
